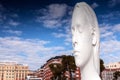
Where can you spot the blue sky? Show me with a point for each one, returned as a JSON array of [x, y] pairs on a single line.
[[32, 31]]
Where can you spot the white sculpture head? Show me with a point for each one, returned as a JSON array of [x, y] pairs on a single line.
[[85, 36]]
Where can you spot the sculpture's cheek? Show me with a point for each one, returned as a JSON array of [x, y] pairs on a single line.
[[82, 50], [81, 60]]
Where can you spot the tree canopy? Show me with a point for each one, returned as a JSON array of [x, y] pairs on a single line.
[[116, 75], [67, 64], [102, 67]]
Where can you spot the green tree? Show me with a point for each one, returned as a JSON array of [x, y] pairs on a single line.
[[102, 67], [68, 63], [116, 75], [57, 71]]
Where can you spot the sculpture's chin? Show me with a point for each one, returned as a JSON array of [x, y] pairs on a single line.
[[78, 62], [79, 59]]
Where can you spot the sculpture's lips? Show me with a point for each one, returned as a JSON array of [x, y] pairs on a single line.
[[76, 53]]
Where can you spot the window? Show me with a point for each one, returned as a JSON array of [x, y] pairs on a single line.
[[77, 71]]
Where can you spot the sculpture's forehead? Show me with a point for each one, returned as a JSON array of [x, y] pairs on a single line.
[[79, 15]]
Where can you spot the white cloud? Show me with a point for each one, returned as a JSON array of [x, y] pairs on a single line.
[[13, 32], [107, 34], [54, 11], [94, 5], [113, 3], [27, 51], [110, 44], [104, 28], [107, 15], [110, 16], [13, 23], [57, 10], [2, 8], [8, 18], [66, 35], [110, 51], [116, 28], [14, 15], [59, 35], [54, 15], [52, 23], [69, 34], [57, 15], [2, 17]]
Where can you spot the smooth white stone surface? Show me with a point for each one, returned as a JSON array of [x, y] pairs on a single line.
[[85, 38]]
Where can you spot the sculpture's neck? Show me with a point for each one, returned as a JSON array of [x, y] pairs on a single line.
[[89, 72]]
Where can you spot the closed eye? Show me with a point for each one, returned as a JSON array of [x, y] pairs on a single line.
[[79, 28], [72, 29]]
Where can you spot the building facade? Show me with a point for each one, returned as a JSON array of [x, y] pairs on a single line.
[[13, 71], [34, 75], [39, 73], [114, 65], [33, 78], [110, 68], [46, 73]]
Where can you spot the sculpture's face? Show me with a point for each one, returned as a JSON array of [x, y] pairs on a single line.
[[81, 37]]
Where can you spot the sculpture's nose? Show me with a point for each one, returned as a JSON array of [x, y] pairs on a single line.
[[74, 44], [74, 39]]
